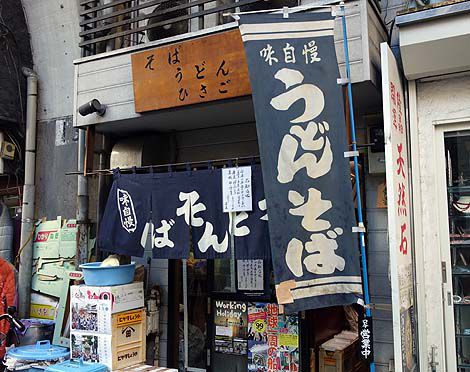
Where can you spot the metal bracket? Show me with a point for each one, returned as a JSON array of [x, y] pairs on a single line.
[[351, 154], [358, 229], [337, 12], [374, 306], [342, 81], [285, 12]]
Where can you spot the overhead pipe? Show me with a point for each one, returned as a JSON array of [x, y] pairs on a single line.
[[27, 210]]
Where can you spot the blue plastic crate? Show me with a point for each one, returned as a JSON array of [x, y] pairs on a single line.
[[77, 365]]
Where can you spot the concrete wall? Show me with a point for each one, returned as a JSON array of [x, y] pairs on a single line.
[[53, 26], [16, 53], [390, 8], [436, 100]]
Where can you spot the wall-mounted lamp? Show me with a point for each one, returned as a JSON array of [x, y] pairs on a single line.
[[92, 106]]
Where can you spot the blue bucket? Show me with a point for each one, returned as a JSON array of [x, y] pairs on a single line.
[[98, 276]]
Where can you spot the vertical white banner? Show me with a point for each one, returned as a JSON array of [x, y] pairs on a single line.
[[399, 213]]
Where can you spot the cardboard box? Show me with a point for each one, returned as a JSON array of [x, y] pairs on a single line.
[[98, 304], [340, 355], [125, 346], [96, 348], [54, 239], [43, 307]]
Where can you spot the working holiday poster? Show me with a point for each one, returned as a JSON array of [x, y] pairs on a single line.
[[230, 327]]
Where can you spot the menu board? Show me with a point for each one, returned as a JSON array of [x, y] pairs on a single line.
[[230, 327], [273, 339]]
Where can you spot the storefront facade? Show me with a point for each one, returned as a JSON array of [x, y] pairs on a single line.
[[219, 133], [438, 87]]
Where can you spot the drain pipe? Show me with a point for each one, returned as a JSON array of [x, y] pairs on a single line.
[[82, 203], [27, 210]]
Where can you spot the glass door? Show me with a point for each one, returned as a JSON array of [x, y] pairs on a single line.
[[457, 152], [194, 328]]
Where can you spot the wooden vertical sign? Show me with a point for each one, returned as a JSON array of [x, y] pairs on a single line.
[[200, 70]]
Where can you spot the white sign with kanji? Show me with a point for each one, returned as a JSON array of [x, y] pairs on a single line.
[[250, 275], [236, 189], [399, 213]]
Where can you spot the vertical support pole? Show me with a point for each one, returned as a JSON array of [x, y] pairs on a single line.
[[362, 240], [185, 315], [82, 202], [29, 192]]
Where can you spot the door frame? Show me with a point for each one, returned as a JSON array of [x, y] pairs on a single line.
[[440, 128]]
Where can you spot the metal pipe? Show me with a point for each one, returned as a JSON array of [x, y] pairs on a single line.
[[172, 165], [102, 182], [82, 202], [27, 210], [362, 239]]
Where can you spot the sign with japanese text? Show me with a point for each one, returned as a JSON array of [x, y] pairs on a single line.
[[302, 137], [273, 339], [399, 218], [366, 338], [167, 212], [236, 189], [200, 70], [250, 275]]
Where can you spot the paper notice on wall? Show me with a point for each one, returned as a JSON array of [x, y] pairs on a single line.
[[250, 275], [236, 189]]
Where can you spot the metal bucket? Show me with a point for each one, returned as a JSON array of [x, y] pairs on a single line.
[[38, 330]]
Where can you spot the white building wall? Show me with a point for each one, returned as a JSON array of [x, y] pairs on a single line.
[[437, 99]]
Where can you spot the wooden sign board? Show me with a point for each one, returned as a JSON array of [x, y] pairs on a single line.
[[200, 70]]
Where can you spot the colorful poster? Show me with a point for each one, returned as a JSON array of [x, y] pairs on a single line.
[[230, 327], [273, 339]]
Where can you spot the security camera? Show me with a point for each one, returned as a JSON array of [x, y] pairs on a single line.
[[92, 106]]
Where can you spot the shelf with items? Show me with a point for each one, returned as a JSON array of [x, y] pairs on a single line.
[[459, 239], [458, 189], [459, 217]]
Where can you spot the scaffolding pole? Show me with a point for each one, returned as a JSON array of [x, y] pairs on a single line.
[[360, 219]]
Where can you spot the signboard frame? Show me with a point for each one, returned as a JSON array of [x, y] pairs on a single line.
[[199, 70], [398, 175]]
